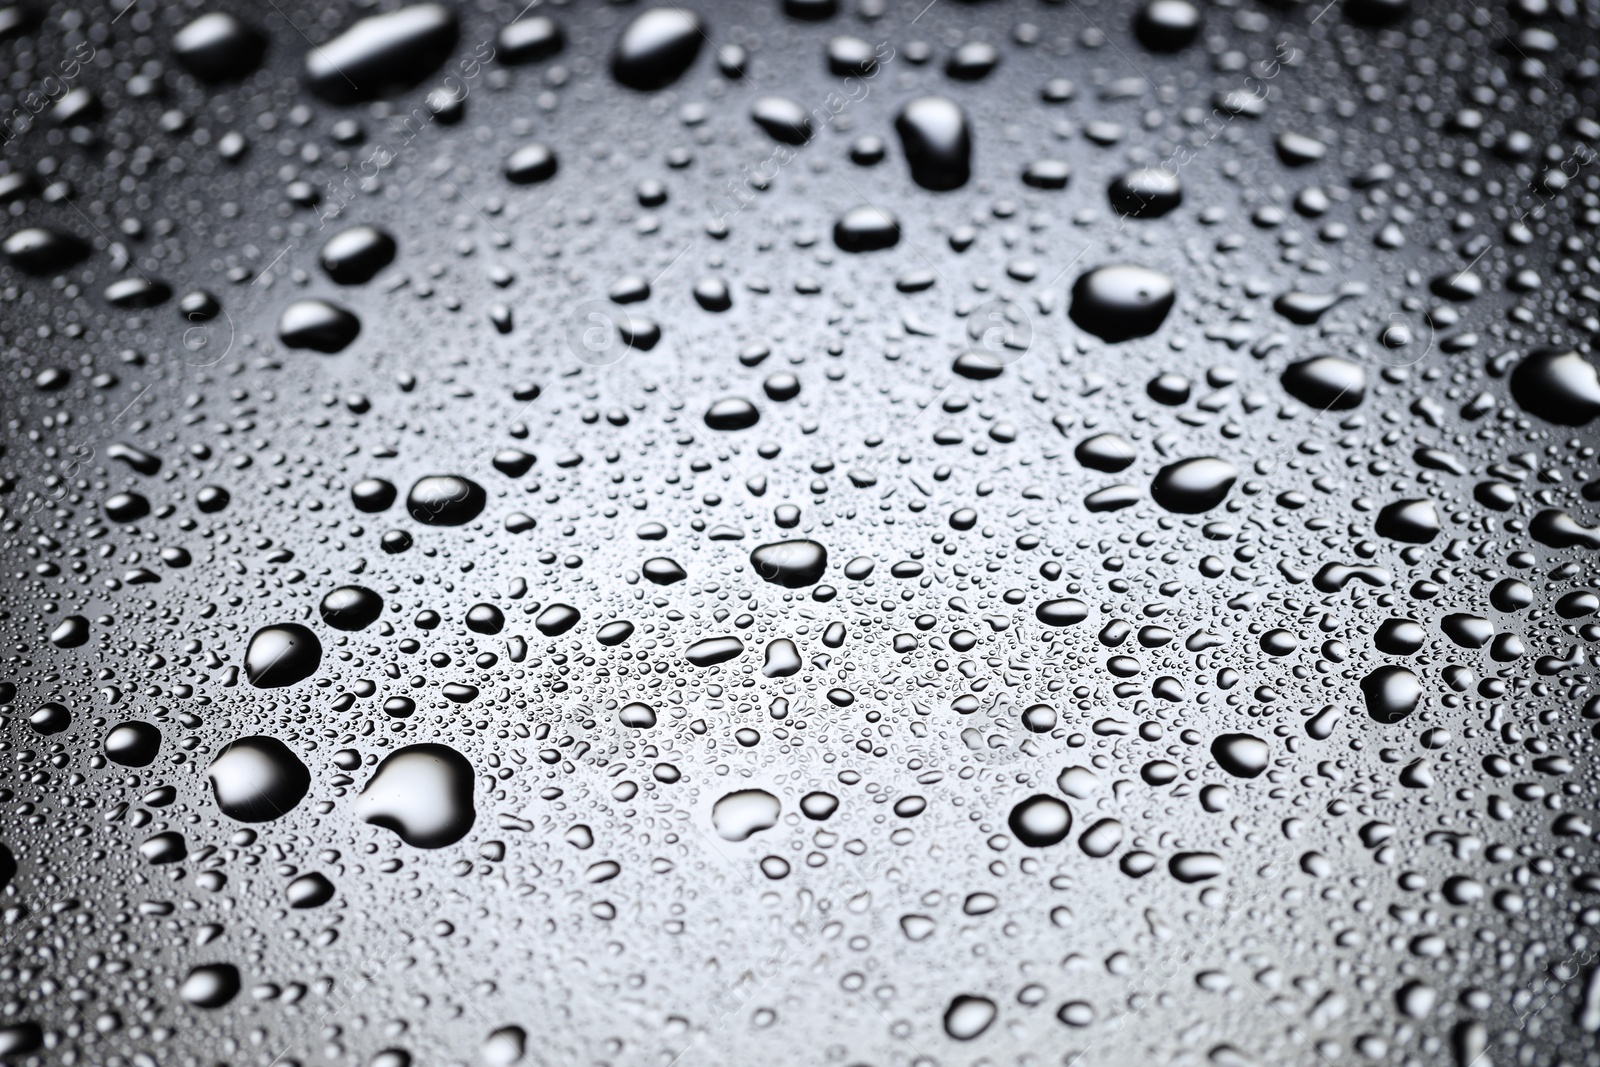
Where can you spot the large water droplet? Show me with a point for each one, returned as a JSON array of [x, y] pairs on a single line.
[[866, 229], [255, 779], [1192, 486], [968, 1016], [40, 251], [445, 500], [351, 607], [216, 47], [1146, 192], [1413, 521], [133, 744], [356, 255], [1167, 25], [937, 144], [791, 564], [1241, 755], [748, 811], [1559, 387], [1327, 383], [1121, 302], [423, 793], [317, 325], [210, 985], [382, 53], [656, 48], [281, 655], [713, 650], [1040, 821], [1391, 693]]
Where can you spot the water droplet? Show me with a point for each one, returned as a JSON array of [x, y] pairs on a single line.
[[351, 607], [256, 779], [866, 229], [968, 1016], [1391, 693], [382, 54], [133, 744], [656, 48], [1167, 25], [1146, 192], [445, 500], [317, 325], [423, 793], [1241, 755], [1192, 486], [40, 251], [282, 655], [309, 891], [936, 141], [1327, 383], [748, 811], [1120, 303], [210, 985], [1558, 386], [714, 650], [791, 564], [732, 413], [1040, 821], [356, 255]]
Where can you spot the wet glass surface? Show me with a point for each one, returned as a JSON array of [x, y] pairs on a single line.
[[799, 532]]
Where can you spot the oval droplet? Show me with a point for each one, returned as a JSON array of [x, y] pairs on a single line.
[[656, 48], [445, 500], [1121, 302], [1192, 486]]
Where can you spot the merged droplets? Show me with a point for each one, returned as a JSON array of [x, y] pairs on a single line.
[[256, 779], [423, 793], [1122, 302], [739, 814], [282, 655]]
